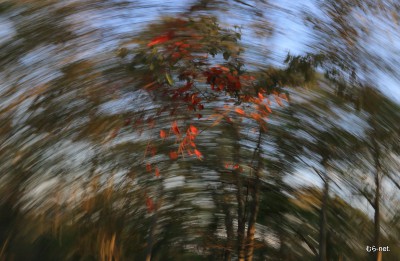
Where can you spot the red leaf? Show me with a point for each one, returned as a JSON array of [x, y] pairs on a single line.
[[173, 155], [240, 111], [160, 39], [148, 167], [176, 55], [194, 99], [231, 78], [149, 204], [157, 172], [163, 134], [185, 88], [198, 153], [199, 116], [238, 85], [256, 116], [193, 130], [153, 151], [175, 128]]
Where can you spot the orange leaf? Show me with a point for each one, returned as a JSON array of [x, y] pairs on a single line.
[[256, 116], [149, 85], [268, 108], [240, 111], [198, 153], [160, 39], [193, 130], [163, 134], [173, 155], [260, 96], [157, 172], [175, 128]]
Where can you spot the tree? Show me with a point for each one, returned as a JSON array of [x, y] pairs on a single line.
[[318, 141], [381, 138]]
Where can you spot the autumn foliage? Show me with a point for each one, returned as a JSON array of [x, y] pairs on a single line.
[[183, 70]]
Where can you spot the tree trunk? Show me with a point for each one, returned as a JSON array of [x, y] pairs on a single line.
[[241, 216], [241, 220], [150, 239], [252, 221], [229, 234], [255, 203], [323, 217], [154, 221], [377, 221]]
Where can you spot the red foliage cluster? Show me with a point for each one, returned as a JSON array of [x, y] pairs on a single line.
[[161, 39], [181, 46], [186, 143], [179, 49], [221, 78], [191, 98], [233, 166]]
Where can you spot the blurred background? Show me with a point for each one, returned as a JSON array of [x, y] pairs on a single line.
[[199, 130]]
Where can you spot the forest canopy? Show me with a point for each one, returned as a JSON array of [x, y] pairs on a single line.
[[199, 130]]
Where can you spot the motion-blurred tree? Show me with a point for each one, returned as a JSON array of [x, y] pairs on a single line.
[[161, 142]]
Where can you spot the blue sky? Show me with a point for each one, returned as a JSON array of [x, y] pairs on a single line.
[[291, 35]]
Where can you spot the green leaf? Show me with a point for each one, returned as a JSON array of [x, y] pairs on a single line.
[[169, 79]]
